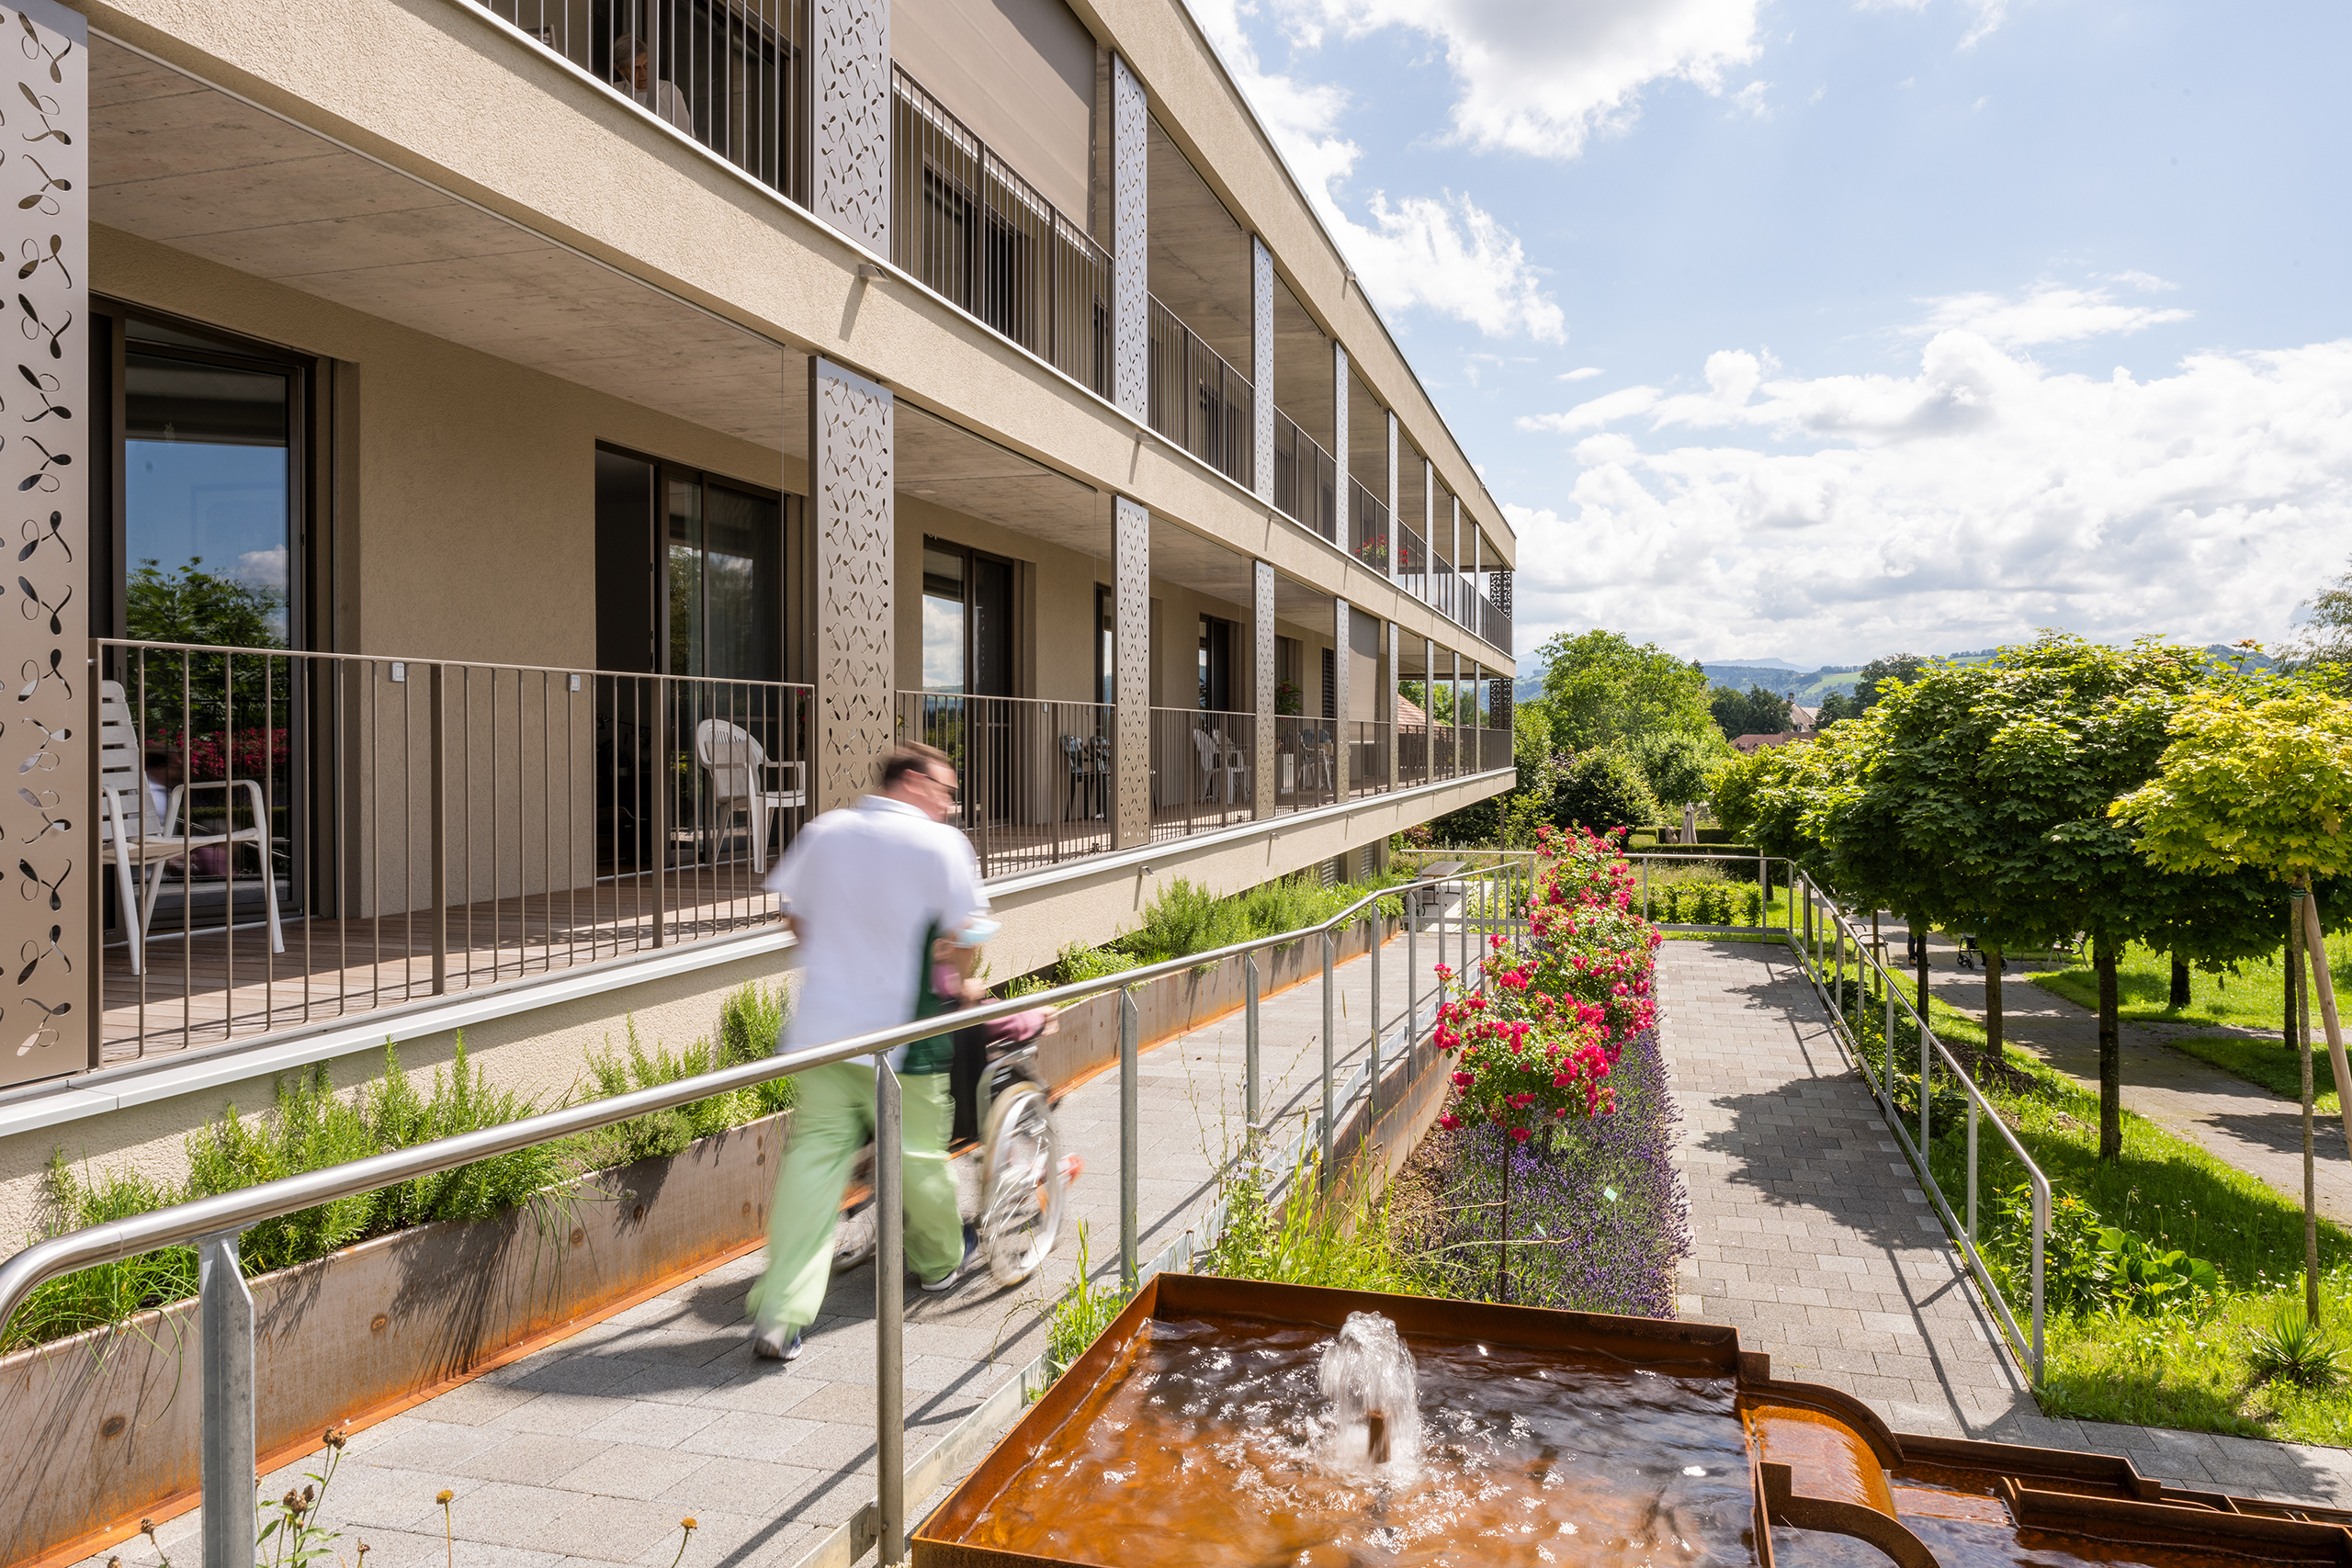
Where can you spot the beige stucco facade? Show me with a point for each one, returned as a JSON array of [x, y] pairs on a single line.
[[498, 264]]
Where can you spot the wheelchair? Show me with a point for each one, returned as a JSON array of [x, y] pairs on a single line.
[[1004, 1109]]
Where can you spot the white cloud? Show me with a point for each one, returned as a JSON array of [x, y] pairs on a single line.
[[1581, 373], [262, 568], [2044, 312], [1546, 78], [1443, 252], [1606, 408], [1969, 502], [1750, 100]]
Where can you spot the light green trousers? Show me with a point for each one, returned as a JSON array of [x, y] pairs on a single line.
[[832, 1120]]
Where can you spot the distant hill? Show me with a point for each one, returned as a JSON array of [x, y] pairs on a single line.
[[1809, 687]]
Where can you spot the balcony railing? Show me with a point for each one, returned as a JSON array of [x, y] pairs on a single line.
[[1037, 775], [730, 75], [1305, 480], [1367, 527], [1368, 744], [978, 233], [407, 829], [1204, 769], [1412, 755], [1199, 401], [1489, 622], [1307, 763]]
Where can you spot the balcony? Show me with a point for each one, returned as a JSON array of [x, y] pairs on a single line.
[[978, 234], [1037, 775], [1367, 527], [1199, 401], [414, 829]]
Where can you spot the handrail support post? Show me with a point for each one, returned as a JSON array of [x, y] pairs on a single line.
[[1251, 1085], [889, 1311], [225, 1327], [1130, 1138]]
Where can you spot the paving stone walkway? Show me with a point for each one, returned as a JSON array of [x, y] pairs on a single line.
[[1813, 1237], [592, 1451], [2237, 1122]]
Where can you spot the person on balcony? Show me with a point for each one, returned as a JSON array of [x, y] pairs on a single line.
[[633, 70], [867, 892]]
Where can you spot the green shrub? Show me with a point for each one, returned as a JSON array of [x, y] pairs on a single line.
[[1602, 790], [1185, 919], [1347, 1245], [657, 1133], [750, 1025], [108, 1292]]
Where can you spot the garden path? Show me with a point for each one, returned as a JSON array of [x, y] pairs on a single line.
[[2237, 1122], [1812, 1235], [590, 1450]]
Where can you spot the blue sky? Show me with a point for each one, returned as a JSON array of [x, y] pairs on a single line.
[[1827, 330]]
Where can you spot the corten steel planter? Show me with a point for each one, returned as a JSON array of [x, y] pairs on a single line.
[[103, 1427], [1818, 1458], [1087, 1038]]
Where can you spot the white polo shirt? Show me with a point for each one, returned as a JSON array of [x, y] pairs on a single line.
[[864, 887]]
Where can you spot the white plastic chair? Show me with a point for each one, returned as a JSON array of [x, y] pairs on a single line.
[[1216, 754], [743, 780], [138, 837]]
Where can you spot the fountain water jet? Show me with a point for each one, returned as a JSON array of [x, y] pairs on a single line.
[[1375, 1398]]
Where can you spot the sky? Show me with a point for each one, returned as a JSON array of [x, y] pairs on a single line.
[[1829, 329]]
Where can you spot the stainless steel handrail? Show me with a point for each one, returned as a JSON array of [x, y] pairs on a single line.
[[1930, 1048], [214, 1224]]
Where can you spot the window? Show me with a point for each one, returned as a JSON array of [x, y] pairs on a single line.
[[1106, 646], [697, 590], [207, 500], [967, 621], [1216, 664]]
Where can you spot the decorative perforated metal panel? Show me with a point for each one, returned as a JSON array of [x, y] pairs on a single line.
[[853, 532], [1261, 362], [1130, 229], [45, 998], [1131, 569], [849, 146], [1340, 442], [1262, 633], [1342, 721], [1499, 589], [1498, 702]]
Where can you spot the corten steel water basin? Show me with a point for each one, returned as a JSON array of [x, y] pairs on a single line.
[[1122, 1462]]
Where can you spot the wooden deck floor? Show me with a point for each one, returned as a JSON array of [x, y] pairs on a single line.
[[218, 986]]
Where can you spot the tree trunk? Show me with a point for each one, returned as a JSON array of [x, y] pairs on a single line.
[[2179, 997], [2299, 1037], [2111, 1052], [1992, 957]]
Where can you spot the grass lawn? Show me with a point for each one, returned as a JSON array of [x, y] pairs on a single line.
[[2253, 998], [2177, 1370]]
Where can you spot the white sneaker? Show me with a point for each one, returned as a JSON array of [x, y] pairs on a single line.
[[774, 1347]]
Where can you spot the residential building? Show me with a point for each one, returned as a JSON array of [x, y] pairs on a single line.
[[489, 470]]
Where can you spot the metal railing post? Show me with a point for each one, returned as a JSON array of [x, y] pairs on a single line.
[[1886, 992], [889, 1311], [225, 1325], [1330, 1020], [1926, 1068], [1972, 1173], [1646, 887], [1130, 1138], [2040, 1229], [438, 924], [1412, 971], [1249, 1092], [1375, 1013], [659, 786]]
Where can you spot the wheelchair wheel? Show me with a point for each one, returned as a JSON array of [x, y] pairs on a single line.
[[1022, 1183]]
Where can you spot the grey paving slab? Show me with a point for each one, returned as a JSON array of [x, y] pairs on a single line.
[[1774, 1117]]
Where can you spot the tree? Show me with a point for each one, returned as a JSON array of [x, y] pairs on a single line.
[[1834, 707], [2328, 636], [1872, 683], [1752, 712], [2258, 777], [1678, 768], [1602, 790], [1600, 688], [1985, 792]]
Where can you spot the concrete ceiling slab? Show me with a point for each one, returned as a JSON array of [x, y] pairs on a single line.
[[174, 161]]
